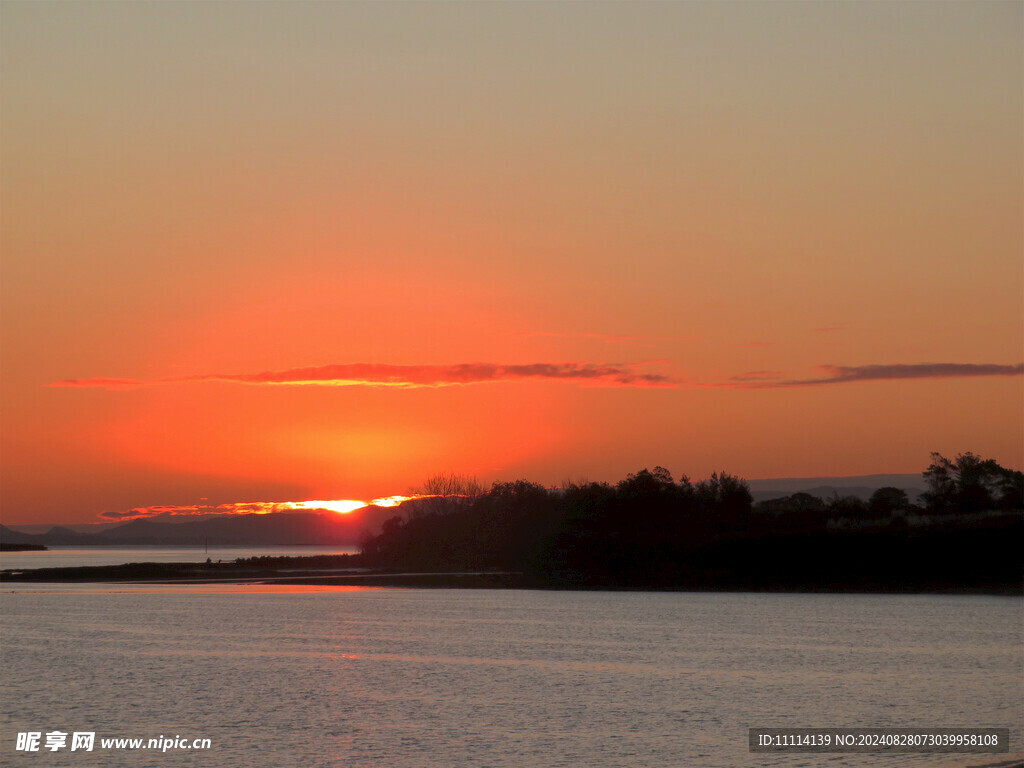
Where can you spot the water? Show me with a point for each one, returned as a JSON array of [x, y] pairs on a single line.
[[68, 557], [403, 678]]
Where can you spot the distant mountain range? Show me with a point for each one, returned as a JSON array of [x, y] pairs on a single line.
[[278, 528], [332, 529], [861, 486]]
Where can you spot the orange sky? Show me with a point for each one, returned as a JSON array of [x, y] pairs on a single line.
[[573, 240]]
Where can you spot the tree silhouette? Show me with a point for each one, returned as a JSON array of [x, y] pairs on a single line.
[[449, 484], [1011, 489], [647, 483], [443, 493], [888, 500], [728, 494], [966, 484]]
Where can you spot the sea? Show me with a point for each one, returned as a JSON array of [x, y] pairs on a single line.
[[282, 676]]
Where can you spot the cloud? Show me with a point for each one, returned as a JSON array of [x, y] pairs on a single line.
[[191, 510], [410, 376], [103, 383], [164, 510], [757, 376], [839, 374], [604, 375], [341, 506]]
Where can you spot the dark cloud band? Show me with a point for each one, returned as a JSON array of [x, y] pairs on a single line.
[[607, 375], [839, 374], [411, 376]]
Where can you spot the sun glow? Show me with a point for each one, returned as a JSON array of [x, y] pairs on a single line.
[[392, 501], [341, 506], [345, 506]]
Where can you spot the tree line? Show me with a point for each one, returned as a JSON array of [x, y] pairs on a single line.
[[650, 530], [964, 485]]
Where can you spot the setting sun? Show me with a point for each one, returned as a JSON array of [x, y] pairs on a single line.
[[342, 506]]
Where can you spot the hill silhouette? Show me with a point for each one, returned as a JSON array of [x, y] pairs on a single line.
[[279, 528]]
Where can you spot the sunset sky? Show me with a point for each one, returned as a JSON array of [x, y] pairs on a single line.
[[287, 251]]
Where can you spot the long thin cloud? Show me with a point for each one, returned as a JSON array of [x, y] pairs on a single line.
[[841, 374], [606, 375], [410, 376]]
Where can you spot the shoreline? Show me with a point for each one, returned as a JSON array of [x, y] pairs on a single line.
[[291, 573]]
